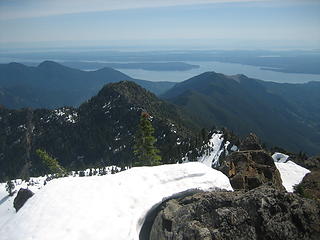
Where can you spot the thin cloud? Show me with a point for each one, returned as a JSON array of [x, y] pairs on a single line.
[[14, 9]]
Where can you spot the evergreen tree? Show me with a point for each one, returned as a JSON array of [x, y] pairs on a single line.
[[51, 163], [144, 150], [10, 187]]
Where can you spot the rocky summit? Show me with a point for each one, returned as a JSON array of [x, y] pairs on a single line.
[[262, 213]]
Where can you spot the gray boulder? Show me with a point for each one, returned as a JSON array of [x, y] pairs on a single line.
[[263, 213], [21, 198]]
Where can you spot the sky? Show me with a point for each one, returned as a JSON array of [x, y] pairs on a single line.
[[232, 24]]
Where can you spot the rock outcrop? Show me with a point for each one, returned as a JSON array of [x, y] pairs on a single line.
[[21, 198], [251, 142], [250, 169], [263, 213]]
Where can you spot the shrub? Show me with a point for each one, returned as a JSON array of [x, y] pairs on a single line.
[[51, 163]]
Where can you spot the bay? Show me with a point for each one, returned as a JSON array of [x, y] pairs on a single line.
[[225, 68]]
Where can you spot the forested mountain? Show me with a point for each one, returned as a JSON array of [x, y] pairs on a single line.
[[98, 133], [101, 130], [286, 115], [52, 85]]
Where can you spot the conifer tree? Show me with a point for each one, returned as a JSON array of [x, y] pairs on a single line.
[[144, 150], [51, 163]]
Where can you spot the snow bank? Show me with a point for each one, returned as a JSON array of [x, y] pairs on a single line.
[[35, 184], [291, 174], [105, 207]]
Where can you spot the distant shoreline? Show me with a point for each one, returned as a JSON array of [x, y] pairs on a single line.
[[147, 66]]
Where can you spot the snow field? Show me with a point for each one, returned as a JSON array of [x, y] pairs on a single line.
[[114, 206], [105, 207], [7, 210]]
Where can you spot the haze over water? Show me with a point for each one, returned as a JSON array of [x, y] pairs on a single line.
[[225, 68]]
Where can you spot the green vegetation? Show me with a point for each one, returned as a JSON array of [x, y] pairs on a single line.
[[51, 163], [144, 150], [301, 190], [100, 132], [284, 115], [310, 185]]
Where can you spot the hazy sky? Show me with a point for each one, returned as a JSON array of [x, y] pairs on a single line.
[[209, 23]]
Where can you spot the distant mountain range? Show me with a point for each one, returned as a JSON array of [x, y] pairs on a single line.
[[52, 85], [289, 61], [286, 115], [148, 66]]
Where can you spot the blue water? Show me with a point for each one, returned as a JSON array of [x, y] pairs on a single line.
[[205, 66], [225, 68]]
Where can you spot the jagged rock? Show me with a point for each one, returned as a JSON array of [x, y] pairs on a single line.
[[262, 213], [251, 142], [250, 169], [21, 198]]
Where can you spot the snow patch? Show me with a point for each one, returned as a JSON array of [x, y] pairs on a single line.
[[234, 148], [66, 114], [280, 157], [291, 174], [106, 207], [107, 105], [212, 158]]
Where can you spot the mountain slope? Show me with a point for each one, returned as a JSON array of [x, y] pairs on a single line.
[[52, 85], [99, 132], [305, 97], [248, 105]]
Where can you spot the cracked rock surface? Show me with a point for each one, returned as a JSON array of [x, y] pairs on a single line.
[[262, 213]]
